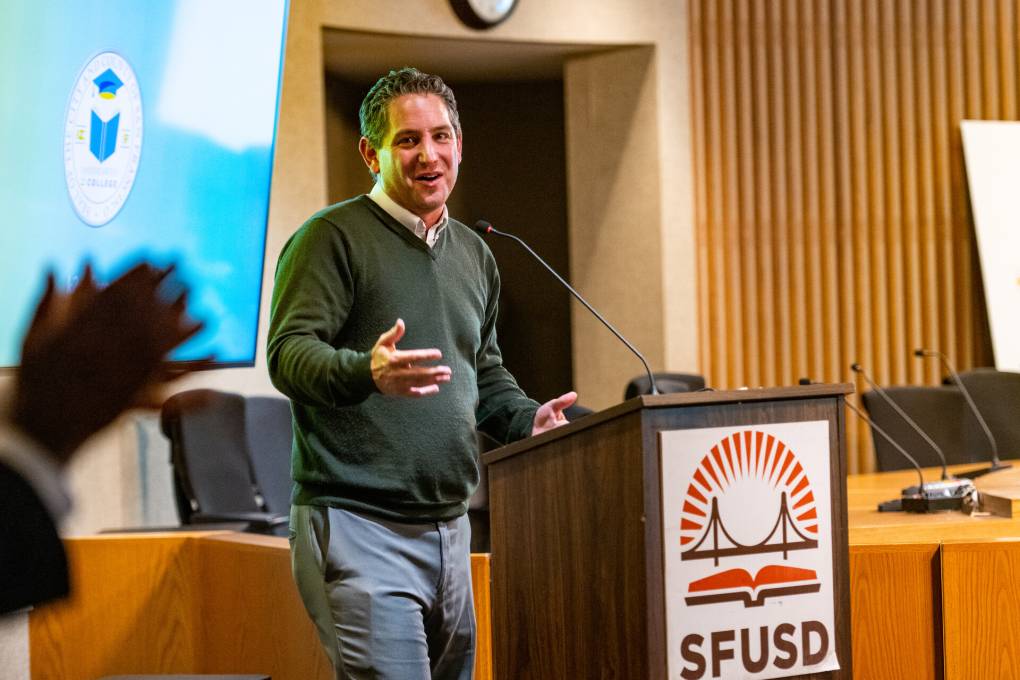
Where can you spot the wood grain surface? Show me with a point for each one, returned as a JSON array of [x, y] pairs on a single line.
[[252, 619], [969, 597], [576, 534], [568, 559], [191, 603], [920, 585], [981, 593], [870, 527], [830, 193], [895, 611], [481, 582], [133, 609]]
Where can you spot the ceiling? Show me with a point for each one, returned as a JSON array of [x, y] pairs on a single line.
[[362, 57]]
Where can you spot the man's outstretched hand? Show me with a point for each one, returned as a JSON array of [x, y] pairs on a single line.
[[401, 372], [550, 414], [92, 353]]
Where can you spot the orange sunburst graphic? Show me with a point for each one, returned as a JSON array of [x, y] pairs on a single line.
[[743, 457]]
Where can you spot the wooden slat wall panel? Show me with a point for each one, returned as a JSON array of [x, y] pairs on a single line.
[[832, 212]]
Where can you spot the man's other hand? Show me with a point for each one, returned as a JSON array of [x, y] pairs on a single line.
[[400, 372], [550, 414]]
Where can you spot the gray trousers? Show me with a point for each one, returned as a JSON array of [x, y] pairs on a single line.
[[390, 601]]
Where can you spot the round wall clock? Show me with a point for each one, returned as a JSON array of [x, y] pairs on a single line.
[[483, 13]]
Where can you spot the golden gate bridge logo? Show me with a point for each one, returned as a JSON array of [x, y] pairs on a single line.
[[760, 468]]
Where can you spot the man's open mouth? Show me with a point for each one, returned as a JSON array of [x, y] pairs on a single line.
[[428, 177]]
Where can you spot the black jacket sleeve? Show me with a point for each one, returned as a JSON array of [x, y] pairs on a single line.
[[33, 565]]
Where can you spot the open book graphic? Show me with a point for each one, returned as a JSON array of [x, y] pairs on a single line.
[[739, 586]]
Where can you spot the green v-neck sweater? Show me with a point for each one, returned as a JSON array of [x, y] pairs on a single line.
[[343, 279]]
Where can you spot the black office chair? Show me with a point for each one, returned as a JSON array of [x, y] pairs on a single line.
[[270, 435], [575, 412], [938, 411], [997, 395], [214, 476], [666, 382]]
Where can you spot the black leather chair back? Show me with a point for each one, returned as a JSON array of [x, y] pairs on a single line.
[[997, 396], [216, 478], [209, 453], [667, 383], [939, 411], [270, 436]]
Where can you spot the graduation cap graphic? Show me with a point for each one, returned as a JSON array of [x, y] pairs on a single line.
[[108, 84], [103, 133]]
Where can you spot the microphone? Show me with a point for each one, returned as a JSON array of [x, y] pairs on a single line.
[[910, 490], [885, 435], [483, 228], [857, 368], [996, 463], [925, 497]]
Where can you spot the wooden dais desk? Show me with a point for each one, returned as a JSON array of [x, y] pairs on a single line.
[[935, 595], [192, 602], [931, 596]]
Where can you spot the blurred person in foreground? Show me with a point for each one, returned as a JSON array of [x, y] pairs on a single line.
[[88, 355]]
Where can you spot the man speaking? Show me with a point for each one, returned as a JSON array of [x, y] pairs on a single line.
[[383, 334]]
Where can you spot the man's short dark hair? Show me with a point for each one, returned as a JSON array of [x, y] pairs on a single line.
[[375, 109]]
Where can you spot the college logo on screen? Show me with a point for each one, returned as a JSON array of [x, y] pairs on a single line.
[[748, 551], [102, 138]]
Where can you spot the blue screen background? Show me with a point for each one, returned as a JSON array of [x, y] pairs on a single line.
[[201, 194]]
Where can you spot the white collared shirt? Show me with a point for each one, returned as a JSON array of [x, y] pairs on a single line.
[[407, 218]]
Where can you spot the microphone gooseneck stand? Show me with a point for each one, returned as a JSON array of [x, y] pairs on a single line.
[[483, 227]]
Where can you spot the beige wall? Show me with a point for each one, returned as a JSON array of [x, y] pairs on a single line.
[[629, 186]]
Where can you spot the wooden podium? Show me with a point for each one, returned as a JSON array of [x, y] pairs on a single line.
[[578, 587]]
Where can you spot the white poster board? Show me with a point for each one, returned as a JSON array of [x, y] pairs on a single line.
[[991, 151], [747, 551]]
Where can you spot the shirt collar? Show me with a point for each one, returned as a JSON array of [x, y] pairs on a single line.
[[407, 218]]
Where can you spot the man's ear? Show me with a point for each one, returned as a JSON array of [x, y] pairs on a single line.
[[460, 147], [370, 155]]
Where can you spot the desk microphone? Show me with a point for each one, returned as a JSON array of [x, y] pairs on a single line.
[[484, 228], [857, 368], [885, 435], [910, 490], [925, 497], [996, 463]]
